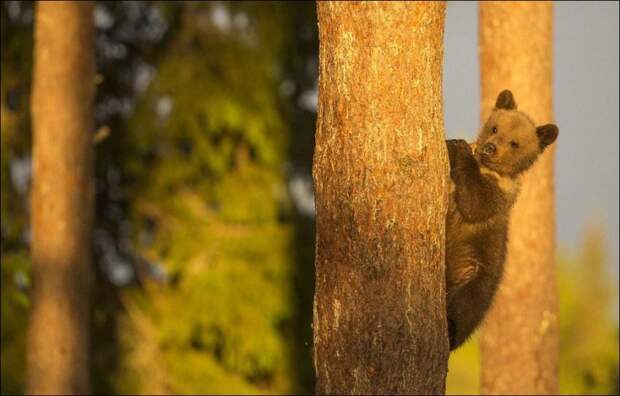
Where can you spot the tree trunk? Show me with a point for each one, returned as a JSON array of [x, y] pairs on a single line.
[[62, 198], [380, 174], [520, 337]]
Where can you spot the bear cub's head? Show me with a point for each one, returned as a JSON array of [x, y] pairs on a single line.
[[509, 142]]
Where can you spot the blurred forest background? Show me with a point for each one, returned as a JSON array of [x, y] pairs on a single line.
[[204, 237]]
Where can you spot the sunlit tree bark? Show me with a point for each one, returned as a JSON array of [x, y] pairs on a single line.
[[520, 336], [62, 198], [380, 174]]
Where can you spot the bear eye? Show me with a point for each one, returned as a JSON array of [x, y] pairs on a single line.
[[494, 130], [514, 144]]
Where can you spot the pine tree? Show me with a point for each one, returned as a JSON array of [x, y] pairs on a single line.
[[520, 339], [380, 173], [62, 198]]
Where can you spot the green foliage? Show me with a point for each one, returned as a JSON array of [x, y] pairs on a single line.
[[206, 147], [13, 316], [588, 334], [464, 369], [16, 41], [227, 312], [197, 167]]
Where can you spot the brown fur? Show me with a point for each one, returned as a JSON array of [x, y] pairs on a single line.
[[485, 186]]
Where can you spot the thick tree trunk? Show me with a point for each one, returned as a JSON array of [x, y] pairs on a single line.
[[380, 174], [62, 198], [520, 336]]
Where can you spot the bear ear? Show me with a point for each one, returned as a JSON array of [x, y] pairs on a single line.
[[547, 134], [506, 101]]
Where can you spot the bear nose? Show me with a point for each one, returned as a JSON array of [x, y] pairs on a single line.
[[489, 149]]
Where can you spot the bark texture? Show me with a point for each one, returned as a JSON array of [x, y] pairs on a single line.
[[380, 174], [520, 337], [62, 198]]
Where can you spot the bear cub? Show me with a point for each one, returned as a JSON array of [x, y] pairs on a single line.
[[485, 184]]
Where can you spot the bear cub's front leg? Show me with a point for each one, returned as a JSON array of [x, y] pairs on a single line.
[[477, 198]]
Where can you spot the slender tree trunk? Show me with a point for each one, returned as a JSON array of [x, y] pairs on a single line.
[[380, 174], [62, 198], [520, 337]]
